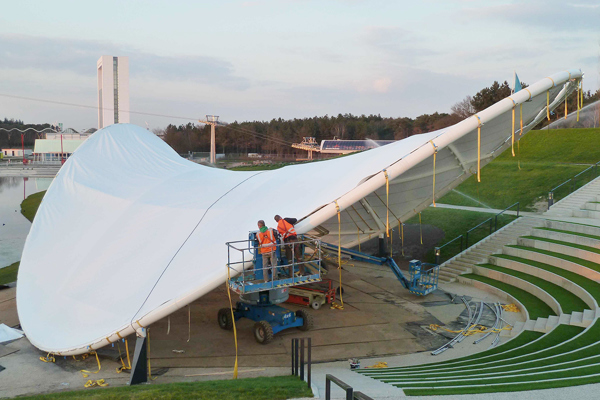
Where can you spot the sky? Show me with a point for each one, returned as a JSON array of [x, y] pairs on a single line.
[[263, 59]]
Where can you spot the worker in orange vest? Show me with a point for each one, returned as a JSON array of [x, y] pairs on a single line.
[[285, 227], [267, 248]]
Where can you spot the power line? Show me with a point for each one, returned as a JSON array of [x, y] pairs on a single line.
[[62, 103]]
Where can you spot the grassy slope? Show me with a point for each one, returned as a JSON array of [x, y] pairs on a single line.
[[545, 157], [9, 274], [30, 205], [279, 387], [455, 223]]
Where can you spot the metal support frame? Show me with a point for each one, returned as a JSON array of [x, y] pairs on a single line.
[[139, 368], [298, 346]]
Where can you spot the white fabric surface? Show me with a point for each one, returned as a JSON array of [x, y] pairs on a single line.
[[129, 231]]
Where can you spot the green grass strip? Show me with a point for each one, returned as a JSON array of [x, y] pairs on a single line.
[[573, 359], [536, 307], [524, 338], [587, 338], [519, 387], [560, 242], [588, 264], [567, 300], [570, 233], [558, 335], [278, 387], [9, 274], [591, 286]]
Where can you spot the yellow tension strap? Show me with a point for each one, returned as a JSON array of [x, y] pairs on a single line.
[[124, 367], [91, 383], [387, 203], [511, 308], [392, 243], [337, 208], [87, 373], [478, 149], [548, 105], [381, 364], [48, 359], [434, 157], [513, 130], [566, 107], [578, 102], [235, 367], [520, 134]]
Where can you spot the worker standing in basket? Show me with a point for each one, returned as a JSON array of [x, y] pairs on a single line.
[[285, 227], [267, 248]]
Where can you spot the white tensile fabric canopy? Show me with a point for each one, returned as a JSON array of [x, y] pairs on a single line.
[[130, 232]]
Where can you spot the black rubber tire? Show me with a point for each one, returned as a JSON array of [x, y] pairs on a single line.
[[263, 332], [308, 320], [224, 319]]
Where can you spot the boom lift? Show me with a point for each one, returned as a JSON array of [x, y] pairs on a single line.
[[259, 297]]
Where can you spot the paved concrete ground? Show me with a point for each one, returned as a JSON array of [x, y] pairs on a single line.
[[37, 171], [380, 319]]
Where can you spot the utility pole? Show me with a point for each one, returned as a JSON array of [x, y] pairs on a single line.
[[213, 121]]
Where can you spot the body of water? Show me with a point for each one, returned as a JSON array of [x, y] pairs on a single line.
[[14, 227]]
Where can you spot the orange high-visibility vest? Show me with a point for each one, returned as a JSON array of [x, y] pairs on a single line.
[[285, 229], [266, 241]]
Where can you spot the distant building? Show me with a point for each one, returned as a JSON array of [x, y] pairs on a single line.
[[57, 146], [113, 90], [337, 146], [15, 152]]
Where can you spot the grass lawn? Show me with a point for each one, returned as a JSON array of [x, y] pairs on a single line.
[[548, 158], [30, 205], [260, 167], [9, 274], [455, 223], [275, 388]]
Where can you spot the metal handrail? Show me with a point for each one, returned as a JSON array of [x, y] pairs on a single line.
[[350, 393], [437, 250], [572, 180]]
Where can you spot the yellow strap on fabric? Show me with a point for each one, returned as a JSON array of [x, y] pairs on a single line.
[[235, 367], [520, 134], [478, 149], [566, 107], [434, 157], [392, 243], [513, 132], [548, 105], [92, 383], [337, 208], [578, 96], [387, 203], [87, 373]]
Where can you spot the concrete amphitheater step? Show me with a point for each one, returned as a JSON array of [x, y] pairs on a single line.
[[584, 268], [569, 249], [567, 236], [552, 291], [586, 214], [554, 278], [568, 359], [573, 227]]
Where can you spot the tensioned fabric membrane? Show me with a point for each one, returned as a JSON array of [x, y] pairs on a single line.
[[130, 232]]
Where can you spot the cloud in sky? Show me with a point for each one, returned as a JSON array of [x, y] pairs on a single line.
[[263, 59]]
